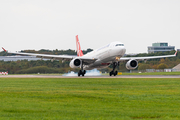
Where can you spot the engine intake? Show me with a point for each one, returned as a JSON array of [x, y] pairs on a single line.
[[132, 64], [75, 63]]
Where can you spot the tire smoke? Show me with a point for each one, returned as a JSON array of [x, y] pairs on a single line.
[[93, 72]]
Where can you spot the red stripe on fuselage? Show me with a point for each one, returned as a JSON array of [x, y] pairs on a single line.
[[105, 63]]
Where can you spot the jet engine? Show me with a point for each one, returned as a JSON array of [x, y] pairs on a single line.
[[132, 64], [75, 63]]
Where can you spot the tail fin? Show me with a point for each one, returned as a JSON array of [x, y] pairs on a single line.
[[79, 51], [4, 49]]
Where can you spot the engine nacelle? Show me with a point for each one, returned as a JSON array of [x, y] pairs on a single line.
[[132, 64], [75, 63]]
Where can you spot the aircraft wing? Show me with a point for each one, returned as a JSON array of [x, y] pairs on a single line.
[[45, 56], [146, 58], [86, 60]]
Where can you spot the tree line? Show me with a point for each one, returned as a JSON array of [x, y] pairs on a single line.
[[42, 66]]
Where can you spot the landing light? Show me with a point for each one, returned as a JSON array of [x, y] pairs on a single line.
[[117, 58]]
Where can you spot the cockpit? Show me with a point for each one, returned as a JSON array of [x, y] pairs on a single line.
[[119, 44]]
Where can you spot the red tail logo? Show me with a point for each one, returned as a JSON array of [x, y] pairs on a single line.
[[79, 51]]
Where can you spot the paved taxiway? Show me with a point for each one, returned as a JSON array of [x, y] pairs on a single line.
[[102, 76]]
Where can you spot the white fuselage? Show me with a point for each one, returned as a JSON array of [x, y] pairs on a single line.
[[106, 55]]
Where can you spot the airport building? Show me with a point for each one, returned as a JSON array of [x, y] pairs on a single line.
[[160, 47]]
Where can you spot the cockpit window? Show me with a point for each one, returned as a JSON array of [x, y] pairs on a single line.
[[119, 44]]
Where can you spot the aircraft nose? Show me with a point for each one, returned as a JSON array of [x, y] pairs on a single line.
[[123, 50]]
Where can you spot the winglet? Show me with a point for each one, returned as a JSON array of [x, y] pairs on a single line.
[[4, 49], [79, 51], [176, 53]]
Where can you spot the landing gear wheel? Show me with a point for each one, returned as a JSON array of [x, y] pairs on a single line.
[[84, 71], [81, 72], [115, 73], [110, 74]]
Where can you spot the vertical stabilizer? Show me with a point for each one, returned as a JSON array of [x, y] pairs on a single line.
[[79, 51]]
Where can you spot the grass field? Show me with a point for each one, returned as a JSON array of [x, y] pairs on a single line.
[[87, 98]]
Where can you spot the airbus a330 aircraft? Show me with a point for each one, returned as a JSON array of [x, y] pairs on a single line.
[[100, 58]]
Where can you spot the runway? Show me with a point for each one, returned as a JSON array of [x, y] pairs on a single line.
[[101, 76]]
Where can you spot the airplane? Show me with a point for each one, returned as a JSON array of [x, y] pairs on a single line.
[[100, 58]]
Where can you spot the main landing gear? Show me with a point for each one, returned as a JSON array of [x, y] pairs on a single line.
[[115, 64], [81, 72]]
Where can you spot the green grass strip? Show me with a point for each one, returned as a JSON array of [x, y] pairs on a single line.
[[89, 98]]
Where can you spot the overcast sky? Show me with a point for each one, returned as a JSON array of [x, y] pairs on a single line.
[[53, 24]]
